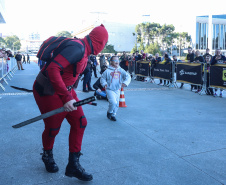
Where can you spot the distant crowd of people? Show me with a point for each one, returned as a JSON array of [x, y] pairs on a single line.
[[127, 62], [20, 58]]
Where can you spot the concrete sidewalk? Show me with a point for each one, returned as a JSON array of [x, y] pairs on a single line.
[[164, 137]]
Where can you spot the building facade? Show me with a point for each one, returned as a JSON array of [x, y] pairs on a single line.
[[2, 11], [218, 36], [32, 44], [120, 35]]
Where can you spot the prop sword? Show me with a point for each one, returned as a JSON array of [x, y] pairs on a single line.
[[56, 111]]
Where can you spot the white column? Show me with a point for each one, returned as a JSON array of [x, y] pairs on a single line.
[[210, 33]]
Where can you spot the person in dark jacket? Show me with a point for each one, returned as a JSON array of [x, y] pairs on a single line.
[[18, 58], [209, 91], [207, 54], [24, 61], [166, 61], [28, 59], [198, 59], [218, 59], [87, 77], [94, 65], [100, 92], [123, 60]]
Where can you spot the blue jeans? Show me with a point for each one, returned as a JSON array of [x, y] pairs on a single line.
[[102, 93]]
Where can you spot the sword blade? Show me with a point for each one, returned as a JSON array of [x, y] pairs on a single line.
[[53, 112], [42, 116]]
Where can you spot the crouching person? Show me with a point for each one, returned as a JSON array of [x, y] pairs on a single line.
[[100, 92], [113, 79]]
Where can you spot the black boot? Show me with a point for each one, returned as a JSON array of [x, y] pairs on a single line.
[[74, 169], [47, 158]]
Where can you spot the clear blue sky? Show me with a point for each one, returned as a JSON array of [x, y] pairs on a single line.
[[50, 16]]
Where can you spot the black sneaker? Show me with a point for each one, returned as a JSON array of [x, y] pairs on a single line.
[[109, 115], [113, 118]]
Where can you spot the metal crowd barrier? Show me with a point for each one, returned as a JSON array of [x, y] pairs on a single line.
[[7, 70], [182, 72]]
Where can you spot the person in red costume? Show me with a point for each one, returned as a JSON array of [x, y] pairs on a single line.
[[61, 74]]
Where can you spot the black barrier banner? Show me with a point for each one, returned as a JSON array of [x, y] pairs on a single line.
[[189, 73], [218, 76], [162, 71], [142, 68]]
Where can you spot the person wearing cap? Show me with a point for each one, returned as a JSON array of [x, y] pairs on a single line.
[[62, 74]]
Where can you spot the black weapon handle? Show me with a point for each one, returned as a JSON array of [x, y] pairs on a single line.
[[85, 101]]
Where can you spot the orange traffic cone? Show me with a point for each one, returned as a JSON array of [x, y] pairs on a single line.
[[122, 102]]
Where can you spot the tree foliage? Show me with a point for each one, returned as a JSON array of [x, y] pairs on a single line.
[[64, 34], [152, 48], [109, 49], [13, 42], [155, 34], [2, 42]]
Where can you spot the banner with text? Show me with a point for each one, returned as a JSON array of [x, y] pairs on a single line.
[[162, 71], [218, 76], [142, 68], [189, 73]]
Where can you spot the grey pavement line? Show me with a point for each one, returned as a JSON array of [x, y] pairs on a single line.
[[173, 152], [80, 91], [202, 171], [146, 89], [15, 94], [203, 152], [24, 74]]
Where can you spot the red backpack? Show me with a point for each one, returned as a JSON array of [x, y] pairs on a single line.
[[51, 47]]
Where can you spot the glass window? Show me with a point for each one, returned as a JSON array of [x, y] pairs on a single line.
[[204, 36], [207, 35], [201, 38], [224, 36], [197, 35], [221, 37], [213, 37], [217, 36]]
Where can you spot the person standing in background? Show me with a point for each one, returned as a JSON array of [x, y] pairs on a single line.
[[28, 59]]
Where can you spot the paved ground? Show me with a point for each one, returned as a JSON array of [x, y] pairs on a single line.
[[164, 137]]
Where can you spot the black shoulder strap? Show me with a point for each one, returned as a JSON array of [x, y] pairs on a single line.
[[90, 43], [75, 65]]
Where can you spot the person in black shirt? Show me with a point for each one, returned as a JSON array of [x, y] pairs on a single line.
[[218, 59], [207, 54], [190, 57], [198, 59], [209, 91]]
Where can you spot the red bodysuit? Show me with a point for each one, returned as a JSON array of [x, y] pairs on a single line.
[[64, 62]]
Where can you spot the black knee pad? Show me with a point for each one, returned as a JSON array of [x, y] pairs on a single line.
[[53, 132], [83, 122]]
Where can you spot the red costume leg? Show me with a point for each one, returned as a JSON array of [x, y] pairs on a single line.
[[53, 123], [78, 122]]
